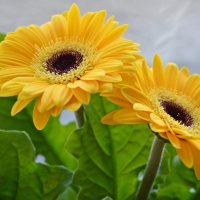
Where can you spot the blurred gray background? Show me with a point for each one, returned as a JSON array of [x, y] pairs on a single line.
[[170, 28]]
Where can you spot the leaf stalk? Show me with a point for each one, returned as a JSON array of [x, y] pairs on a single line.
[[79, 115]]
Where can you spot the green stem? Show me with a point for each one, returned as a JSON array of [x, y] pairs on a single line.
[[79, 114], [151, 169]]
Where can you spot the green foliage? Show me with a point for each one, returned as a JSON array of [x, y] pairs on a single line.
[[20, 177], [173, 191], [49, 142], [2, 36], [110, 157], [180, 183], [69, 194]]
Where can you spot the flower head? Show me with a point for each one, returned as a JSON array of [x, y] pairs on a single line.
[[168, 99], [63, 61]]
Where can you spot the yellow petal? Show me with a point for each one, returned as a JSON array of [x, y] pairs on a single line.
[[11, 91], [40, 119], [14, 86], [89, 86], [46, 99], [72, 85], [110, 77], [18, 48], [163, 135], [33, 90], [174, 140], [59, 25], [61, 95], [113, 35], [73, 105], [30, 34], [196, 153], [93, 75], [109, 26], [49, 31], [119, 101], [182, 78], [171, 73], [117, 46], [39, 34], [185, 154], [196, 95], [85, 21], [95, 25], [23, 80], [147, 81], [135, 96], [157, 120], [109, 65], [144, 115], [10, 73], [105, 87], [65, 14], [180, 133], [16, 39], [127, 116], [19, 105], [141, 107], [108, 119], [195, 143], [81, 95], [73, 21], [156, 128], [56, 111], [128, 68], [192, 84], [158, 71], [128, 80], [15, 58], [124, 57]]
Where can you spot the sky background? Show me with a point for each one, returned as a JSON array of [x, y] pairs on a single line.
[[170, 28]]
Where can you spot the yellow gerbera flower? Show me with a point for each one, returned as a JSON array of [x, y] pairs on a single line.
[[63, 61], [168, 99]]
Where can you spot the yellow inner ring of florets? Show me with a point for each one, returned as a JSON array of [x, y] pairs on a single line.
[[158, 95], [44, 53]]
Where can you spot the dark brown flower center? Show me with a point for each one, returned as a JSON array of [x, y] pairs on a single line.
[[177, 112], [64, 61]]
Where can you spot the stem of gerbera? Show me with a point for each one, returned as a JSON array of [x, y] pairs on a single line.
[[152, 167], [79, 114]]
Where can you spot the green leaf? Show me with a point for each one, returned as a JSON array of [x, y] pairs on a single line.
[[186, 175], [49, 142], [21, 178], [2, 36], [107, 198], [69, 194], [174, 191], [110, 157], [178, 183], [165, 164]]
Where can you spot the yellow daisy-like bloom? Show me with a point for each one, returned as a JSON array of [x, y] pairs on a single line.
[[63, 61], [168, 99]]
